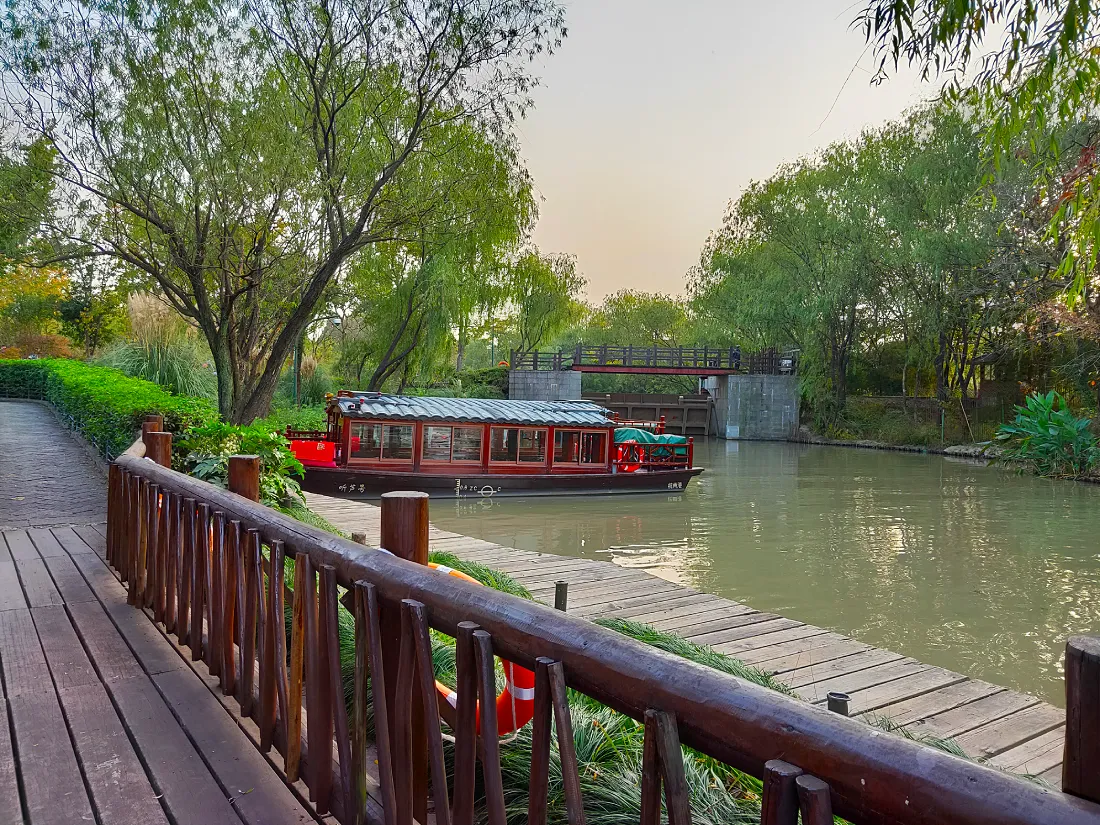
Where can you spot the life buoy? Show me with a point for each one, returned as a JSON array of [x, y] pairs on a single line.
[[516, 703], [626, 457]]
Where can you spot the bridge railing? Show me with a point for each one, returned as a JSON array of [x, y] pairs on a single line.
[[221, 572], [720, 359]]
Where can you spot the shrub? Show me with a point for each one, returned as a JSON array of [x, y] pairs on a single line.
[[1048, 439], [204, 452], [105, 405]]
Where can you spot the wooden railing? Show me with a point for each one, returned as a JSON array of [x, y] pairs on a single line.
[[695, 359], [209, 565]]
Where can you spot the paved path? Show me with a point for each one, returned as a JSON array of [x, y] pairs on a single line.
[[46, 477], [104, 721], [1012, 730]]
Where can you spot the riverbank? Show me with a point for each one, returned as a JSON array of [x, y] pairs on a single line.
[[1012, 730], [981, 451]]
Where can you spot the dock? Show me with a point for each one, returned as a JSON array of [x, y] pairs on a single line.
[[1011, 730]]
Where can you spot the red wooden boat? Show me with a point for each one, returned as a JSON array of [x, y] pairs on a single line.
[[475, 447]]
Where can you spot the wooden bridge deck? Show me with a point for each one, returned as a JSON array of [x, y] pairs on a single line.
[[1011, 730], [104, 720]]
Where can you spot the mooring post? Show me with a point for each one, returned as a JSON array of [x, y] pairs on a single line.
[[837, 702], [158, 446], [1081, 762], [405, 534], [561, 595], [244, 476]]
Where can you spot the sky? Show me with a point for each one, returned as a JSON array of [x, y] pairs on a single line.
[[653, 115]]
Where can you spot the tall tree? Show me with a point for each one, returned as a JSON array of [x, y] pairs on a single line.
[[545, 290], [241, 153], [791, 267], [640, 318]]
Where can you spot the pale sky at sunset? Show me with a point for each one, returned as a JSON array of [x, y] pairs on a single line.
[[654, 114]]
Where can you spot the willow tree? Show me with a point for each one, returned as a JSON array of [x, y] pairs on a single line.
[[1032, 70], [241, 153], [407, 303]]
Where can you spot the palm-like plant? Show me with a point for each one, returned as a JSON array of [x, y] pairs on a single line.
[[1049, 439]]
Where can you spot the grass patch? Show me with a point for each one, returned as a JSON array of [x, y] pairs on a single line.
[[700, 654]]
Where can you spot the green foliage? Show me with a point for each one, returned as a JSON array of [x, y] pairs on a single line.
[[204, 453], [644, 319], [546, 290], [105, 405], [1032, 71], [230, 154], [1048, 438], [297, 418], [316, 381]]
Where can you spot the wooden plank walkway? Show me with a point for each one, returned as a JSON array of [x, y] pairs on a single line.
[[1011, 730], [104, 721]]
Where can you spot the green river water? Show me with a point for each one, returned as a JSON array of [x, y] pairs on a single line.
[[952, 562]]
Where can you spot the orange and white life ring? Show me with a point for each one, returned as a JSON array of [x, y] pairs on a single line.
[[516, 703]]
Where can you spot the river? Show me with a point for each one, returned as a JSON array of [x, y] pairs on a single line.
[[952, 562]]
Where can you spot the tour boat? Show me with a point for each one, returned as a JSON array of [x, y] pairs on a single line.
[[474, 447]]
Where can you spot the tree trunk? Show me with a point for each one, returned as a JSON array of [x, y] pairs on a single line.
[[462, 336]]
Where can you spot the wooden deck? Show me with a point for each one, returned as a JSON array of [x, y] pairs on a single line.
[[105, 721], [1011, 730]]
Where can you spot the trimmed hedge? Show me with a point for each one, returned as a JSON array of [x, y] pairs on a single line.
[[106, 405]]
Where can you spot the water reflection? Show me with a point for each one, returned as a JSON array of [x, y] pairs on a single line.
[[954, 563]]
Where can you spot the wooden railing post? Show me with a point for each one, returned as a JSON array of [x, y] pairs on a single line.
[[158, 446], [244, 476], [404, 532], [152, 424], [1081, 765]]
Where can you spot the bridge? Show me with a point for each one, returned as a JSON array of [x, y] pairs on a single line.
[[632, 360]]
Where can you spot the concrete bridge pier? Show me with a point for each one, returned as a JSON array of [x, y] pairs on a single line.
[[544, 385], [756, 407]]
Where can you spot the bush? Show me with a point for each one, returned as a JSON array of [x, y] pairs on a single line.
[[1049, 439], [204, 452], [105, 405]]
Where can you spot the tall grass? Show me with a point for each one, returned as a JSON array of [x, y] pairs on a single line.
[[162, 350]]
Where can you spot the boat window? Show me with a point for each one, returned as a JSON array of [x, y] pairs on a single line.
[[366, 440], [593, 448], [567, 444], [397, 442], [437, 443], [532, 446], [503, 443], [466, 444]]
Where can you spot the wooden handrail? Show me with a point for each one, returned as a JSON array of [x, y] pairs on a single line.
[[875, 777]]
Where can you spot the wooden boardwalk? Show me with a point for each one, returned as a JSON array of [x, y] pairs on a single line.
[[1011, 730], [105, 721]]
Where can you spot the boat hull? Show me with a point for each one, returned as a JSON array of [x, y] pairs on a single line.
[[358, 483]]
